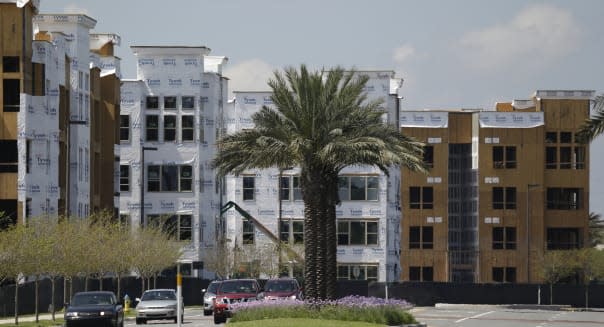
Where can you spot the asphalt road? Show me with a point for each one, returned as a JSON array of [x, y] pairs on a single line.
[[505, 316], [193, 318]]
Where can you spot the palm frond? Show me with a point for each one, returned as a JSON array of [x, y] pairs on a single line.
[[593, 126]]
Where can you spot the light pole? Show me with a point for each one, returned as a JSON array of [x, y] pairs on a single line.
[[528, 230], [142, 203]]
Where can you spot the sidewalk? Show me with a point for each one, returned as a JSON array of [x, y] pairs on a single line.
[[43, 316]]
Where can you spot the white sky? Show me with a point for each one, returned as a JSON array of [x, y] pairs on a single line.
[[452, 54]]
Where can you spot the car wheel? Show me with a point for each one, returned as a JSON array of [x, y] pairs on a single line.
[[219, 319], [207, 312], [140, 321]]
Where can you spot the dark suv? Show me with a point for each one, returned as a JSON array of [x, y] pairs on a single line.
[[233, 291]]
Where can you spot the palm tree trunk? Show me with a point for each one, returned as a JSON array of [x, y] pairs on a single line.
[[321, 265], [332, 254], [310, 251]]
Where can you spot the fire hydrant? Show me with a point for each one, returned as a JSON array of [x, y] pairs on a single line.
[[126, 303]]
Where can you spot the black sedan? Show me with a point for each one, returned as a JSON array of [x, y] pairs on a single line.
[[94, 308]]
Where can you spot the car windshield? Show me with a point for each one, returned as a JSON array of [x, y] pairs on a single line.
[[240, 286], [213, 287], [92, 299], [280, 286], [158, 295]]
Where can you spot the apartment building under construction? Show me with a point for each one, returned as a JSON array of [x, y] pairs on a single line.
[[504, 187], [60, 101]]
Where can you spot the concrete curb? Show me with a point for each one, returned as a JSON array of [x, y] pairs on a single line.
[[548, 307]]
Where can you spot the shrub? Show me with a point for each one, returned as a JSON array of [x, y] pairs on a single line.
[[351, 308]]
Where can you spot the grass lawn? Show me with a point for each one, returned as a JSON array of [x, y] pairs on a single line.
[[300, 322]]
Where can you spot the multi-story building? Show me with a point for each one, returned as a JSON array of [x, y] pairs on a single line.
[[50, 84], [170, 119], [368, 219], [504, 186]]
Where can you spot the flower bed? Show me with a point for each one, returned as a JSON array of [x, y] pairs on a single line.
[[350, 308]]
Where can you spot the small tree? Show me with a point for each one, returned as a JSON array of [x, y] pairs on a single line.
[[555, 266], [589, 264]]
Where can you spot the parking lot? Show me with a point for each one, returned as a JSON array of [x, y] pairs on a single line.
[[505, 316]]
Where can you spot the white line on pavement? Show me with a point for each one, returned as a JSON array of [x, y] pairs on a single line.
[[474, 317]]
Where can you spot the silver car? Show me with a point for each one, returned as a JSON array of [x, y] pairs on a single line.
[[156, 304], [209, 295]]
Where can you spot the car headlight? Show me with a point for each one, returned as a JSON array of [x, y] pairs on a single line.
[[293, 297], [71, 314], [106, 313]]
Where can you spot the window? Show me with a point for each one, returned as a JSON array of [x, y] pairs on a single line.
[[504, 197], [248, 232], [290, 188], [504, 238], [551, 137], [169, 102], [357, 272], [124, 178], [152, 124], [504, 274], [9, 156], [177, 227], [419, 274], [10, 64], [188, 102], [357, 232], [429, 156], [421, 237], [579, 157], [11, 95], [565, 157], [551, 157], [504, 157], [358, 188], [187, 123], [566, 137], [421, 197], [248, 188], [170, 178], [124, 128], [169, 128], [152, 102], [565, 154], [292, 231], [564, 198], [563, 238]]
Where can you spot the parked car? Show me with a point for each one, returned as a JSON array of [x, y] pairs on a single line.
[[232, 291], [94, 308], [209, 295], [157, 304], [282, 288]]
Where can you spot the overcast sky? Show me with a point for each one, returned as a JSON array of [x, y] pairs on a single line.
[[451, 54]]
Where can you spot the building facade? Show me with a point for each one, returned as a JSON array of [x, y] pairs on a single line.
[[170, 120], [368, 219], [504, 187], [54, 93]]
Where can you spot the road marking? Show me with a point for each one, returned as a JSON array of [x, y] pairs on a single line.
[[474, 317]]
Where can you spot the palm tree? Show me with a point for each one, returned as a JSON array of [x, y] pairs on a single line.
[[321, 122], [593, 126]]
